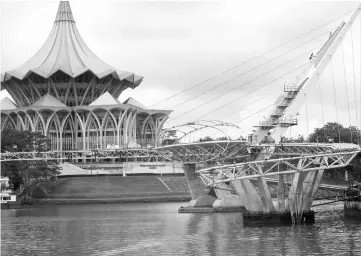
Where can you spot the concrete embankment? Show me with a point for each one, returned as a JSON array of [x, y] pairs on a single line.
[[107, 190]]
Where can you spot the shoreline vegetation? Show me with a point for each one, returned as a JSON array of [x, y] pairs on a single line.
[[136, 199]]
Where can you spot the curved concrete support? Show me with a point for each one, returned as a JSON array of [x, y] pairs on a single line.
[[310, 187], [195, 184], [203, 201], [228, 201], [248, 195], [265, 195], [222, 191], [280, 205]]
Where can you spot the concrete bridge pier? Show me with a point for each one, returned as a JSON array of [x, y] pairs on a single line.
[[224, 197], [265, 195], [302, 191], [203, 200], [310, 186], [281, 207], [248, 195], [199, 192]]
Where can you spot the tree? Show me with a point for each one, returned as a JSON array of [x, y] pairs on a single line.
[[207, 138], [335, 132], [223, 138], [169, 137], [24, 172]]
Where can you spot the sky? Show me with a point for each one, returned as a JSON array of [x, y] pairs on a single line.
[[178, 45]]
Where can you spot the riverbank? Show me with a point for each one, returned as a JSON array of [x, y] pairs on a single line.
[[146, 199], [106, 190]]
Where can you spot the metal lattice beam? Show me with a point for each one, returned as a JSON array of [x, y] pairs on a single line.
[[255, 169], [65, 155]]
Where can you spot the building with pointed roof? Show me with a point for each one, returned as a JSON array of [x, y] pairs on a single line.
[[7, 104], [70, 95], [135, 103]]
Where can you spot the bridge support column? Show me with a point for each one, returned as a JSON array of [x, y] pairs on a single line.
[[311, 183], [295, 194], [197, 188], [222, 192], [265, 195], [248, 195], [303, 189], [281, 193], [225, 198]]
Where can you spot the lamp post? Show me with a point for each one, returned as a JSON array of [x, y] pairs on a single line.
[[94, 153]]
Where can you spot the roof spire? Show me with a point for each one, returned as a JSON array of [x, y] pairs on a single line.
[[64, 12]]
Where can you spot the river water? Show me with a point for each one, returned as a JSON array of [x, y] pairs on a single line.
[[157, 229]]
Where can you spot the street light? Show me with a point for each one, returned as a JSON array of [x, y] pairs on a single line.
[[94, 153]]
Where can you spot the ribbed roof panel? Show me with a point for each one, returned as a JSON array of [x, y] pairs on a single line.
[[65, 50], [64, 12]]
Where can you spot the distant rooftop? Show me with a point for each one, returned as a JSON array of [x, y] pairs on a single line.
[[48, 101], [105, 99], [135, 103], [7, 104]]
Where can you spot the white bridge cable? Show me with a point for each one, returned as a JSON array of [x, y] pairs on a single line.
[[322, 110], [334, 96], [235, 88], [227, 81], [244, 118], [347, 97], [248, 104], [354, 86], [262, 86], [249, 60], [308, 132]]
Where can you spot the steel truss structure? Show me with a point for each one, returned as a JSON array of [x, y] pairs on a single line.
[[295, 148], [198, 152], [221, 150], [203, 151], [75, 155], [325, 187], [249, 170], [187, 153]]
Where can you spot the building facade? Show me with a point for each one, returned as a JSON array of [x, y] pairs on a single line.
[[67, 93]]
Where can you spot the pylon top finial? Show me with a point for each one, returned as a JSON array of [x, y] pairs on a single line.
[[64, 12]]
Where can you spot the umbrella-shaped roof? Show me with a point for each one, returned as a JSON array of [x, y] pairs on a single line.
[[66, 51]]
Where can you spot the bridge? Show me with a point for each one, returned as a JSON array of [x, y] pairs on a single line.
[[238, 172]]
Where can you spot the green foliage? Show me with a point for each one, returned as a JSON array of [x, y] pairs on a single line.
[[170, 138], [169, 142], [335, 132], [21, 172], [23, 141], [300, 139], [207, 138]]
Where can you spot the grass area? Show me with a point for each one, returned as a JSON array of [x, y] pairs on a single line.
[[94, 187], [176, 184]]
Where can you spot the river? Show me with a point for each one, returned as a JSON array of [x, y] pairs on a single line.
[[157, 229]]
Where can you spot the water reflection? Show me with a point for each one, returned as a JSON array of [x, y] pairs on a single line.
[[157, 229]]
